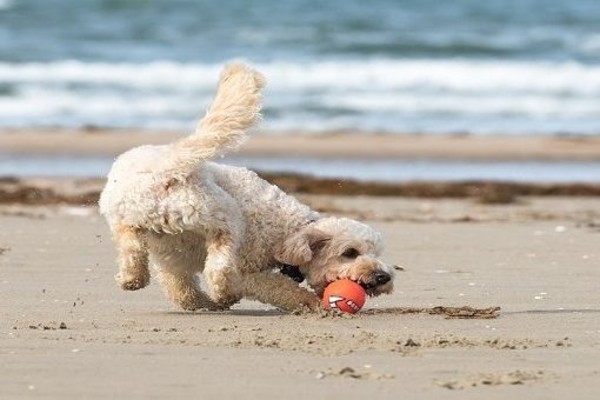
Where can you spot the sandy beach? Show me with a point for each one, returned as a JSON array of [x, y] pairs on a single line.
[[67, 331], [468, 133]]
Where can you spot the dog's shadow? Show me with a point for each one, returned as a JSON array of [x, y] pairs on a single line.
[[464, 312], [236, 313]]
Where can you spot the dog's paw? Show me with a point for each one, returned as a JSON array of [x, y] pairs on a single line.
[[202, 305], [223, 301], [218, 307], [196, 305], [132, 282], [223, 297], [309, 304]]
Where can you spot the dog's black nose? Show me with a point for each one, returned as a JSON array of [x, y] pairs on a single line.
[[382, 277]]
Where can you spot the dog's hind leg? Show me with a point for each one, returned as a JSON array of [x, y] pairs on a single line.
[[183, 288], [221, 270], [223, 228], [178, 259], [133, 257]]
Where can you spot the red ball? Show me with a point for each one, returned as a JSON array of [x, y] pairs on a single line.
[[344, 295]]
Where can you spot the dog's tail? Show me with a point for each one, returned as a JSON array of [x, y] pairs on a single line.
[[236, 108]]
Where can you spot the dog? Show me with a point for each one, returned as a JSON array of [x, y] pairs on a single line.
[[172, 208]]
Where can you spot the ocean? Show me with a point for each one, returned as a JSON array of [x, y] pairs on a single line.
[[385, 170], [391, 66]]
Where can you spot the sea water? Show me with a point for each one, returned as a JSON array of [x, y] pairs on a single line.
[[387, 170], [393, 66], [430, 67]]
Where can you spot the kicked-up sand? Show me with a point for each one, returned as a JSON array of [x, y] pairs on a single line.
[[67, 331]]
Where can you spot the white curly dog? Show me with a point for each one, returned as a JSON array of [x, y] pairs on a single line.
[[170, 207]]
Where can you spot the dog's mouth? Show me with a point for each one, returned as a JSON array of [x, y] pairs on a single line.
[[375, 284]]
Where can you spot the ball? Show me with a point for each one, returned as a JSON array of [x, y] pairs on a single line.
[[344, 295]]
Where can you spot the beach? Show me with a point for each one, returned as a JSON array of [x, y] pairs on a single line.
[[468, 133], [68, 331]]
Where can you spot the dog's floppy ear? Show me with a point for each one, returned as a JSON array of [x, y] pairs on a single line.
[[299, 248]]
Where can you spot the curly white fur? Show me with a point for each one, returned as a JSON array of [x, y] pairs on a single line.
[[171, 207]]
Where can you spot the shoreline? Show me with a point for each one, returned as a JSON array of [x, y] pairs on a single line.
[[111, 142], [366, 149]]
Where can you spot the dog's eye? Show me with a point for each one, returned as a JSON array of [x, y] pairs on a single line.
[[351, 253]]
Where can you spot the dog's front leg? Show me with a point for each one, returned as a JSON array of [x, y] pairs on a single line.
[[279, 291]]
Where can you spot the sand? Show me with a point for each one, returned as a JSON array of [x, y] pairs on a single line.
[[335, 144], [67, 331]]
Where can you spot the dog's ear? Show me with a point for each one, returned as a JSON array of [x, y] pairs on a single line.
[[299, 248]]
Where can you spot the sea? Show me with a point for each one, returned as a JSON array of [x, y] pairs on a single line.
[[425, 67]]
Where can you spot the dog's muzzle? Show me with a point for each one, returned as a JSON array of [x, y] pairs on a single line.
[[377, 278]]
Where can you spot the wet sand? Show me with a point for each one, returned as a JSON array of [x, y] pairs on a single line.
[[335, 145], [67, 331]]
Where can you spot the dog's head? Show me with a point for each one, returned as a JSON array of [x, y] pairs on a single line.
[[338, 248]]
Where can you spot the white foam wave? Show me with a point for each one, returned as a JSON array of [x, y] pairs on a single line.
[[454, 75], [591, 44], [6, 4], [379, 94], [60, 107], [155, 75], [524, 105], [440, 75]]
